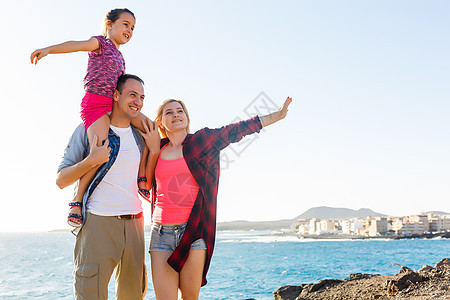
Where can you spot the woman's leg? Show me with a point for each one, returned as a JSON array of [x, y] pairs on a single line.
[[99, 128], [191, 274], [165, 278]]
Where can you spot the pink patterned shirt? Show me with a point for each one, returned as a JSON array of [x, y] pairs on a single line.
[[104, 68]]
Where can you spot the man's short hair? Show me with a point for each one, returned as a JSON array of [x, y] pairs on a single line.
[[123, 78]]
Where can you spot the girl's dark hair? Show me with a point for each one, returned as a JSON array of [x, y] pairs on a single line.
[[113, 15]]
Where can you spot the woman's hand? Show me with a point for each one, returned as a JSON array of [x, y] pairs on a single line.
[[151, 135], [276, 116], [38, 54], [284, 109]]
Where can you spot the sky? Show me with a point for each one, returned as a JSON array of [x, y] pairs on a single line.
[[368, 126]]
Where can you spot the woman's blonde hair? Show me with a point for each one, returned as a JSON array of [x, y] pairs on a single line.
[[159, 114]]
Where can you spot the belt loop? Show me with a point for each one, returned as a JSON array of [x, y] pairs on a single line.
[[159, 229]]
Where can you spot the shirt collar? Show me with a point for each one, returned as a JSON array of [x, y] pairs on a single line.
[[187, 139]]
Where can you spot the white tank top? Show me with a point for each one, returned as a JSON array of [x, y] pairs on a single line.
[[117, 193]]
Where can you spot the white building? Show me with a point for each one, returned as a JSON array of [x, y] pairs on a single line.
[[378, 226], [356, 225], [314, 226], [439, 223]]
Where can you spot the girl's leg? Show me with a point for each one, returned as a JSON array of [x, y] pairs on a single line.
[[165, 278], [192, 273], [143, 186], [99, 128]]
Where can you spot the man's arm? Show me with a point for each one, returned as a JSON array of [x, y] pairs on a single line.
[[74, 164]]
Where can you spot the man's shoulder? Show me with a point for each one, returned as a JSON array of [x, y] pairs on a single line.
[[134, 129], [80, 129], [77, 148], [80, 133]]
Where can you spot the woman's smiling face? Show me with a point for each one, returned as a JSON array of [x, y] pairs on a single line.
[[174, 117]]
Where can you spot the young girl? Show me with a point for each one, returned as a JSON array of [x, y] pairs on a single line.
[[105, 65]]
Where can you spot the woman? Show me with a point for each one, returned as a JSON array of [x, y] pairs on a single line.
[[185, 195]]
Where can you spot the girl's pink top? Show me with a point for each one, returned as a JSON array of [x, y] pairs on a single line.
[[104, 68], [177, 191]]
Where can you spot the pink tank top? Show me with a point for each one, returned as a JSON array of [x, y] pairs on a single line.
[[176, 191]]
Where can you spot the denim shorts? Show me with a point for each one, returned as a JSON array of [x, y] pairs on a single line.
[[167, 238]]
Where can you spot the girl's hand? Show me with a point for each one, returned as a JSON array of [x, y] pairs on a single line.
[[38, 54], [151, 135]]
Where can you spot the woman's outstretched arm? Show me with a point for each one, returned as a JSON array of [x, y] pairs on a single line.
[[276, 116]]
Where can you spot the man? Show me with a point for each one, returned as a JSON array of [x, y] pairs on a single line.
[[112, 235]]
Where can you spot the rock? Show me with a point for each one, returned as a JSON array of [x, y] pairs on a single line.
[[427, 283], [391, 287], [411, 277], [287, 292], [360, 276], [425, 269], [443, 264], [322, 284], [403, 269]]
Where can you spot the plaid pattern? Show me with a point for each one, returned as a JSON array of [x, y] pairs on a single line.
[[201, 151]]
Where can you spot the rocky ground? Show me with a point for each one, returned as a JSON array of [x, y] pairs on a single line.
[[427, 283]]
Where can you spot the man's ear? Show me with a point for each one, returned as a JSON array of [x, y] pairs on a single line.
[[116, 95]]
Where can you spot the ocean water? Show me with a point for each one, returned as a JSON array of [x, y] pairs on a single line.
[[245, 264]]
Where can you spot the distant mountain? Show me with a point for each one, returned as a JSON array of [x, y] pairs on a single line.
[[436, 213], [260, 225], [321, 212], [325, 212]]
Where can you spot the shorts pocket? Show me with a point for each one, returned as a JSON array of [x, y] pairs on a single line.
[[86, 282]]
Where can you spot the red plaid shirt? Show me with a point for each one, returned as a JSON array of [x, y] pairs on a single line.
[[201, 151]]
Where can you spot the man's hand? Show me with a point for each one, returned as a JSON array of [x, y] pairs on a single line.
[[98, 154], [151, 135]]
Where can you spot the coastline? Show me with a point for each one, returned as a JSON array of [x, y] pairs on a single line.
[[445, 235], [438, 235]]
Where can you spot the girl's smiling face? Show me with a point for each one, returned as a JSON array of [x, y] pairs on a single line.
[[121, 31]]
